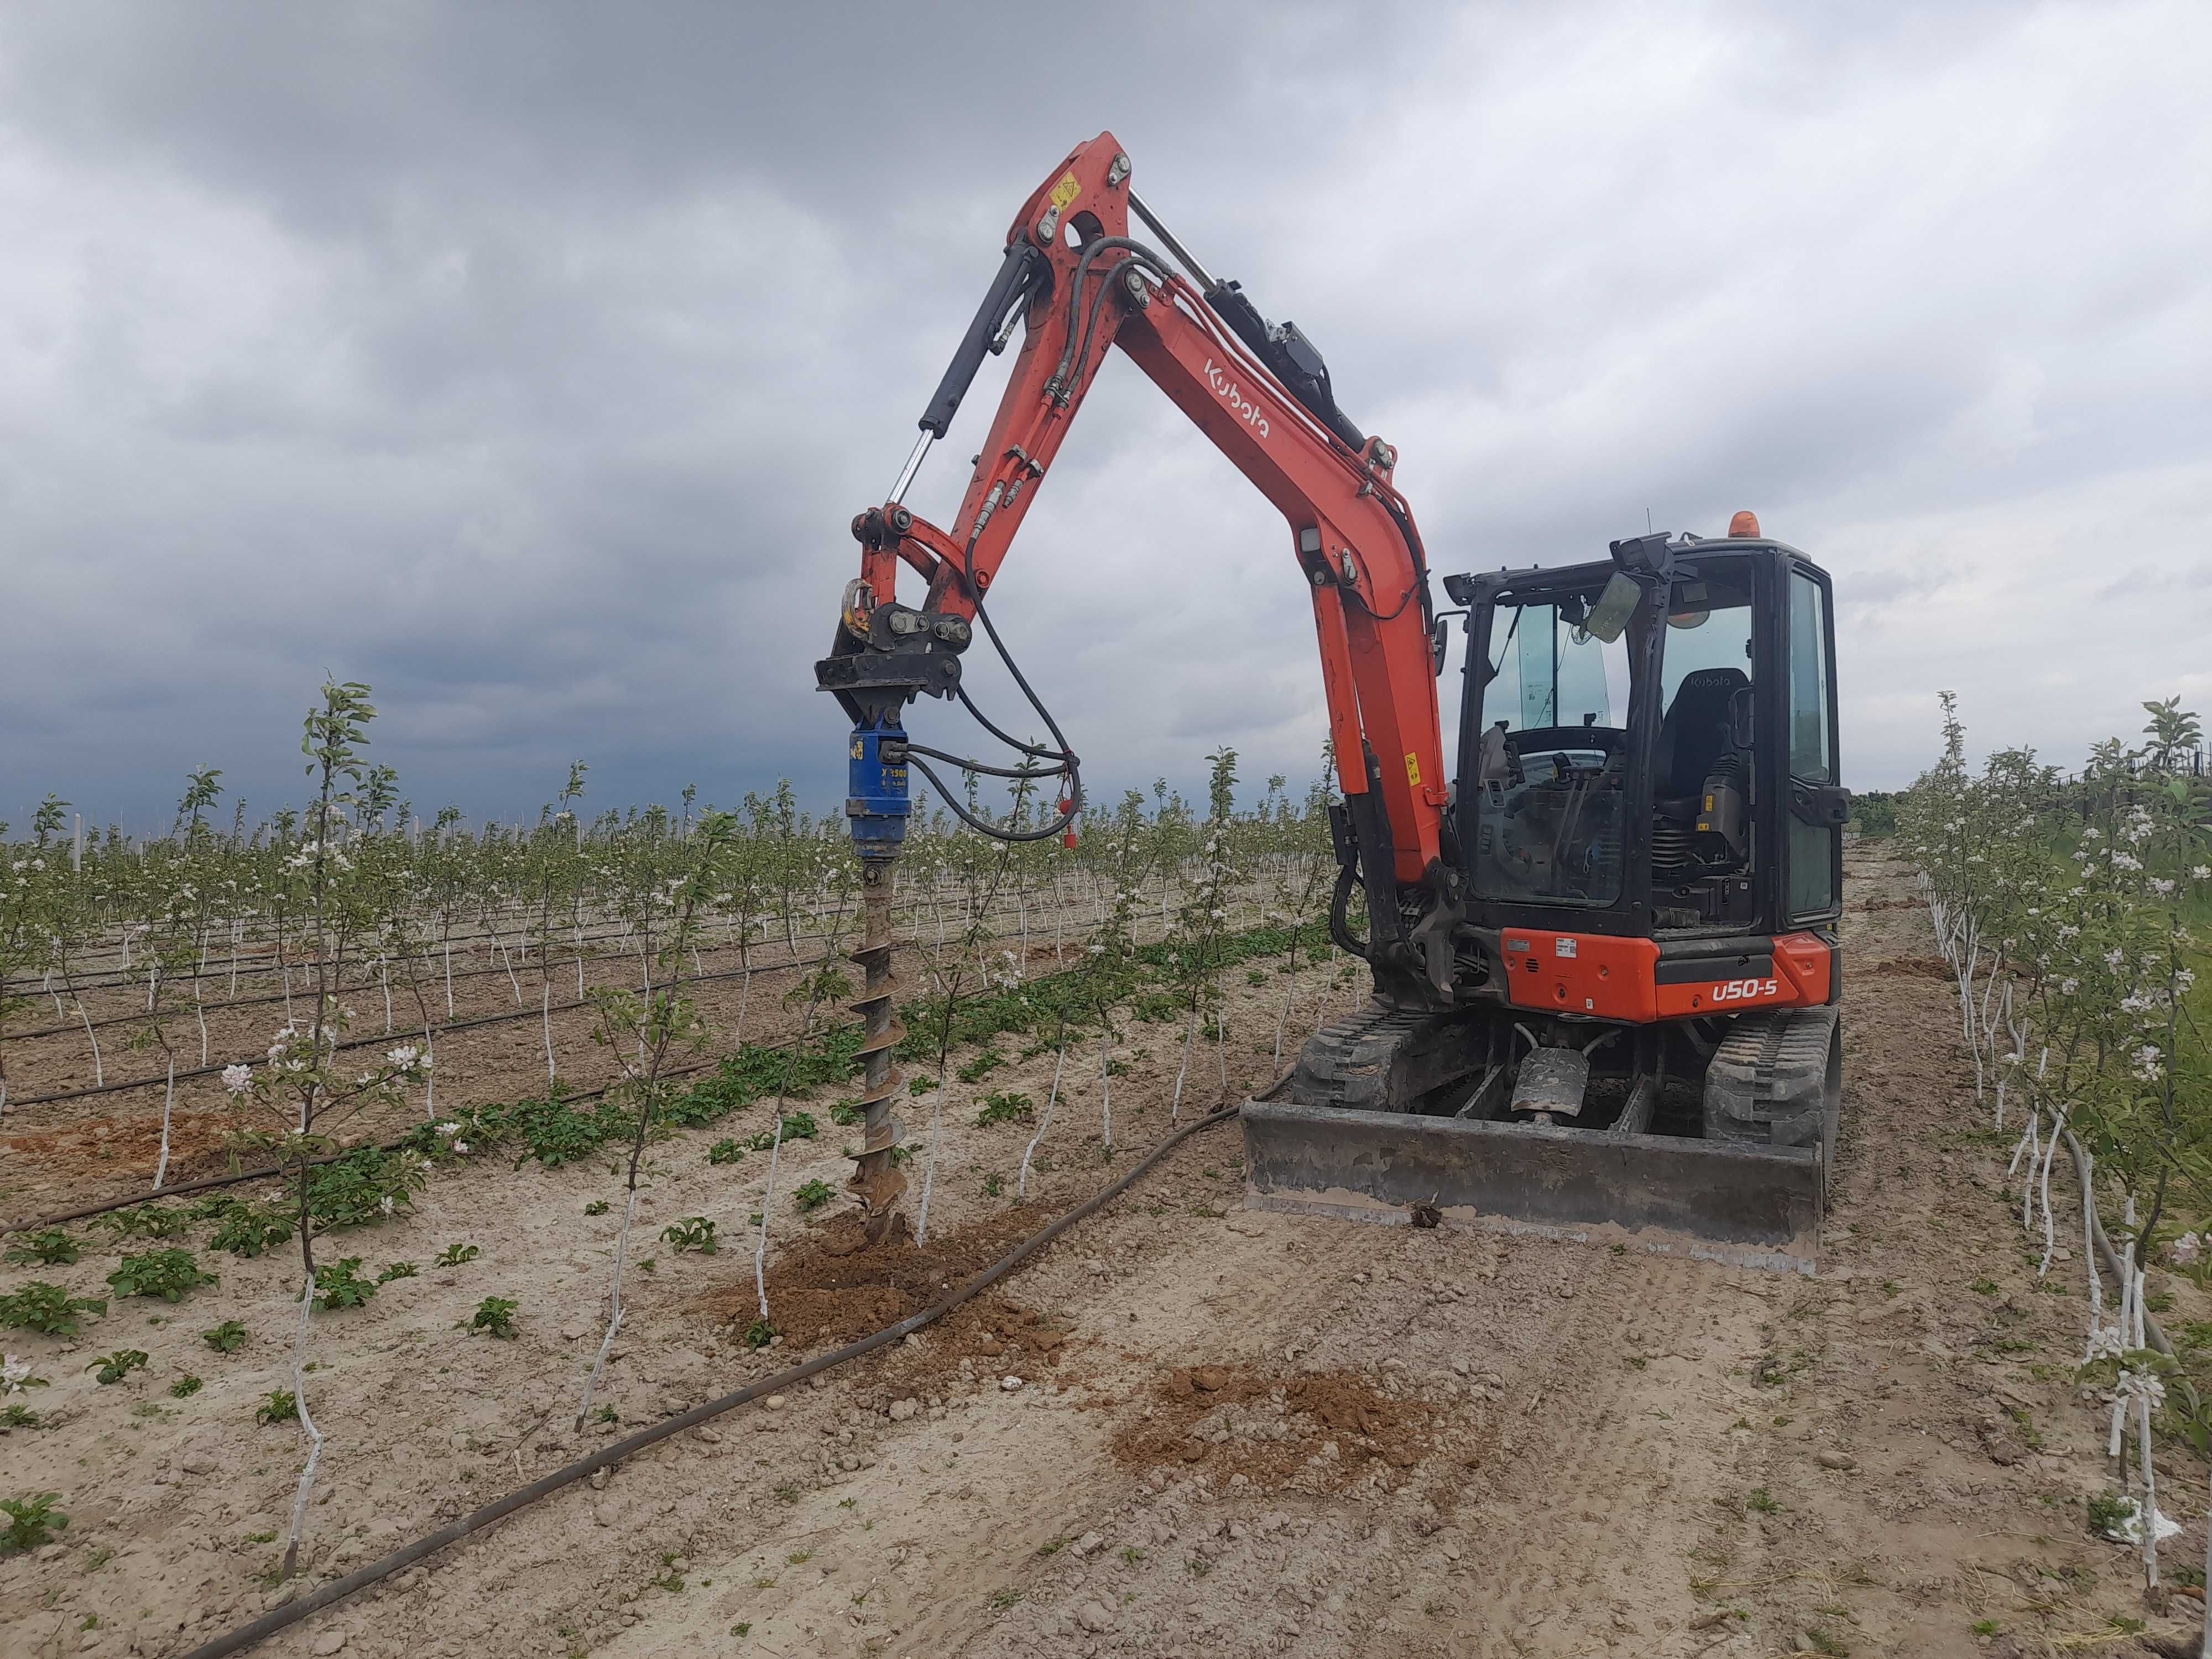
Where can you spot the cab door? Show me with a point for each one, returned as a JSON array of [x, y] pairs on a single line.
[[1816, 803]]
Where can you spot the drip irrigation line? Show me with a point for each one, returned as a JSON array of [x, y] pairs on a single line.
[[206, 1183], [24, 987], [177, 1188], [400, 1033], [292, 1613], [563, 966], [116, 978], [397, 1035]]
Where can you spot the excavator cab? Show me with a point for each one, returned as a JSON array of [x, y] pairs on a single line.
[[1642, 1040], [1574, 718]]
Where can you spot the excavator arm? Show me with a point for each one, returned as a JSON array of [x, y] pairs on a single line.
[[1077, 284]]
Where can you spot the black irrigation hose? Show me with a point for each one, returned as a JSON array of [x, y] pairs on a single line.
[[292, 1613], [75, 1028], [107, 978], [205, 1182], [399, 1035]]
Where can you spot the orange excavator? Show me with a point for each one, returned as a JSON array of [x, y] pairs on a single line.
[[1601, 937]]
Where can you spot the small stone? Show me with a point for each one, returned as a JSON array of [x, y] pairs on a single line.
[[598, 1476], [1094, 1618], [1238, 1482], [604, 1513], [711, 1437], [197, 1460], [572, 1333], [1459, 1367], [328, 1643], [1009, 1384], [1837, 1460], [775, 1402], [283, 1593], [1090, 1544], [901, 1410], [1209, 1379], [848, 1463]]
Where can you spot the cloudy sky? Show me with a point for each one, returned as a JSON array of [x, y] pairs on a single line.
[[528, 361]]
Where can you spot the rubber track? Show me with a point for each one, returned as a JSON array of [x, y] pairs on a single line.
[[293, 1612], [1325, 1073]]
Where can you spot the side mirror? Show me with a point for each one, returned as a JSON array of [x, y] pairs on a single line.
[[1438, 640], [1740, 727]]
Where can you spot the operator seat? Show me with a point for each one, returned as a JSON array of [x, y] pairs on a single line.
[[1695, 734]]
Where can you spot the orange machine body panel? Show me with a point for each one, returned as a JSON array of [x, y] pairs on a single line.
[[1602, 977]]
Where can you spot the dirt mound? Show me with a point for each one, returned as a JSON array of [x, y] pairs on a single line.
[[1316, 1433], [827, 1289]]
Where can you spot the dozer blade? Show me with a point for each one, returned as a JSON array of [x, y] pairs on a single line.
[[1754, 1206]]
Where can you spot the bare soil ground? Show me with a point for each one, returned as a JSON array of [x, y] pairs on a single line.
[[1181, 1429]]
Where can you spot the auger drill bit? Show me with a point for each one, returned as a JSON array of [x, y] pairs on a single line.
[[875, 1180], [877, 804]]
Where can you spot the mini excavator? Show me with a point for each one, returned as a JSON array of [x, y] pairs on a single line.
[[1603, 948]]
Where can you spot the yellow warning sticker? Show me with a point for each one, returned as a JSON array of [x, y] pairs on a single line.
[[1064, 191], [1414, 770], [856, 748]]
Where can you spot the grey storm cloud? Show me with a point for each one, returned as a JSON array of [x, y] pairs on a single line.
[[528, 362]]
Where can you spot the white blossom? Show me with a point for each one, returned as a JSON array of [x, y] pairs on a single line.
[[237, 1078], [2140, 1385]]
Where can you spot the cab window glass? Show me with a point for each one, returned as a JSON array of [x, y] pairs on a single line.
[[1809, 757]]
